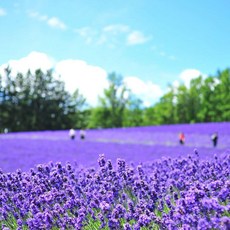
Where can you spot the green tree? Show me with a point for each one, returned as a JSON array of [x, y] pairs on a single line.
[[110, 112], [195, 99], [163, 112], [150, 116], [182, 104], [99, 118], [37, 102], [223, 95], [133, 115], [78, 113], [208, 111], [9, 101]]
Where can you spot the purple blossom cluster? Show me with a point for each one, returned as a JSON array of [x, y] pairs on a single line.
[[170, 193]]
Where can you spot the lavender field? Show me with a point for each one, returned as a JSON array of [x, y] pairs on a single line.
[[25, 150], [129, 178]]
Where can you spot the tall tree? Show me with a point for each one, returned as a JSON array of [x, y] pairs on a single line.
[[195, 100], [223, 94], [133, 115], [164, 112], [37, 102], [208, 111], [112, 106], [8, 101], [78, 113], [182, 103]]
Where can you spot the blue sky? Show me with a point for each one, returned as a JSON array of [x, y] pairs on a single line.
[[151, 43]]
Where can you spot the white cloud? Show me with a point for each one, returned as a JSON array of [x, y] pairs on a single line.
[[112, 35], [116, 29], [175, 84], [55, 22], [33, 61], [52, 21], [165, 55], [84, 31], [162, 53], [77, 74], [2, 12], [187, 75], [87, 33], [36, 15], [136, 37], [146, 91]]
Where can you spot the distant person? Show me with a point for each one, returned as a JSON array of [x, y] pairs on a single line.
[[72, 134], [214, 138], [82, 134], [181, 138]]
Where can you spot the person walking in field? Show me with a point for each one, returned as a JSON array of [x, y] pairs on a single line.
[[82, 134], [214, 138], [72, 134], [181, 138]]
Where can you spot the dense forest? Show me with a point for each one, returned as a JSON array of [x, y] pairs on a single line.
[[39, 101]]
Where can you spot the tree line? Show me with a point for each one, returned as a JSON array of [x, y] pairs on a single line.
[[39, 101]]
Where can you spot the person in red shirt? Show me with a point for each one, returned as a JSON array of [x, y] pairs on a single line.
[[181, 138]]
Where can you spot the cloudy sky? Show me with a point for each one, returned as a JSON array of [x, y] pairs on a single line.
[[151, 43]]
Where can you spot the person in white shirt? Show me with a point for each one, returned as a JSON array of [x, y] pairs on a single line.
[[214, 138], [82, 134], [72, 134]]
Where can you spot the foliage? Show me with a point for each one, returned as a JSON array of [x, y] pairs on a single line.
[[133, 115], [37, 102], [205, 100], [110, 112]]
